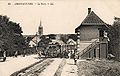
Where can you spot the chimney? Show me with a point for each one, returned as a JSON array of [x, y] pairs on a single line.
[[89, 10]]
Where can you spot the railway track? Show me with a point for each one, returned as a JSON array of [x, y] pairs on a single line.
[[35, 69]]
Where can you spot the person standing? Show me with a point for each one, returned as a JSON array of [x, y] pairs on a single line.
[[75, 61], [16, 53], [4, 55], [24, 52], [69, 55]]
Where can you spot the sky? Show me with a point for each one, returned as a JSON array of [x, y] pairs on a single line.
[[57, 16]]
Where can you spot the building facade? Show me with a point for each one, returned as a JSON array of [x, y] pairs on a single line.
[[91, 28]]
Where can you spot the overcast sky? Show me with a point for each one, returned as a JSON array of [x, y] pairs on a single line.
[[61, 17]]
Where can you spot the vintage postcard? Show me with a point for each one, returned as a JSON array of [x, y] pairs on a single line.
[[59, 38]]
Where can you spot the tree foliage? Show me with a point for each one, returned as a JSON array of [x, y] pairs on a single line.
[[52, 36], [44, 41], [11, 38], [114, 36]]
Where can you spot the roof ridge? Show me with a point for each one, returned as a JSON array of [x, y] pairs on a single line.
[[92, 18]]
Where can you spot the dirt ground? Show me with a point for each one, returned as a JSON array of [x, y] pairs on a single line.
[[99, 68]]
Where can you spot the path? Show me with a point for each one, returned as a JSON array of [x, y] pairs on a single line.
[[14, 64], [51, 69], [69, 69]]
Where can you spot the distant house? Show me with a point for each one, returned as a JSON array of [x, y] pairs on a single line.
[[34, 39], [93, 28], [71, 46], [71, 42]]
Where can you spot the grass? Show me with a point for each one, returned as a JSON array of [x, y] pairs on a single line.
[[99, 68]]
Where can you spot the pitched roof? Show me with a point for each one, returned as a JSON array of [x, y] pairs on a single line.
[[92, 19], [71, 41]]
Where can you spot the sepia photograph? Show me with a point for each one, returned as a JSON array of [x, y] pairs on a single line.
[[59, 37]]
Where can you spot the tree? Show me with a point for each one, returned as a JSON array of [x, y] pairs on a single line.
[[44, 41], [11, 35], [114, 36], [64, 38], [73, 36], [52, 36]]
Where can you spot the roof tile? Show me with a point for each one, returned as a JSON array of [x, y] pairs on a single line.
[[92, 19]]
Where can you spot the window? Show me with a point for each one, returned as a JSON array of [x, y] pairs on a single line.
[[101, 33]]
